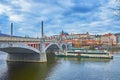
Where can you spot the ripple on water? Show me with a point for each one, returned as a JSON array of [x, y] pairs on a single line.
[[65, 69], [3, 70]]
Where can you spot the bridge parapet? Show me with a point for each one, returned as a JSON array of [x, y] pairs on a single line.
[[19, 47], [23, 39], [19, 39]]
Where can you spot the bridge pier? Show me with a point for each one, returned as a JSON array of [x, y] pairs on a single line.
[[24, 57], [43, 57]]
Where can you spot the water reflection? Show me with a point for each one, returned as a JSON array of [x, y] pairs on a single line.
[[3, 70], [79, 60], [41, 71], [25, 71], [29, 71], [62, 69]]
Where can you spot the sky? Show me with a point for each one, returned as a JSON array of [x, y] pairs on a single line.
[[71, 16]]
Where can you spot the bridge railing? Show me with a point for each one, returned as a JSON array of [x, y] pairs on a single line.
[[19, 39], [23, 39], [20, 45]]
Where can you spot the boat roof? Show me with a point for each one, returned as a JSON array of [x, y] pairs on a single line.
[[73, 48]]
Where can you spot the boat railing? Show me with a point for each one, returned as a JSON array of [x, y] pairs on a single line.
[[89, 51]]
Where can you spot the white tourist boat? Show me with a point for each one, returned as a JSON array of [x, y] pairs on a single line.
[[78, 52]]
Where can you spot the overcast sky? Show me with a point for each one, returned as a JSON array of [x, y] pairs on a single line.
[[72, 16]]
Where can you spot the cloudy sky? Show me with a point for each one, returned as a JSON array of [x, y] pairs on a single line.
[[72, 16]]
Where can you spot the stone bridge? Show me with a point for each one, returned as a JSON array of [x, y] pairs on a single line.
[[30, 51]]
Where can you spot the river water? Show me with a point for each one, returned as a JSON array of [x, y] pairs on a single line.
[[62, 69]]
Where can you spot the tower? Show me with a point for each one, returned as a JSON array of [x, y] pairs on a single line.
[[43, 57], [11, 29], [42, 34]]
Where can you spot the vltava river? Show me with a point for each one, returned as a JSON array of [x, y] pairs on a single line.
[[62, 69]]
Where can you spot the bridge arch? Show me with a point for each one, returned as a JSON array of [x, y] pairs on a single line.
[[52, 47], [63, 46], [21, 52], [17, 48]]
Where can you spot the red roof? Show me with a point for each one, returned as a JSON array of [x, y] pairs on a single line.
[[107, 34]]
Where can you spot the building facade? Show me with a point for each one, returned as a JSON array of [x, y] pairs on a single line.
[[109, 39]]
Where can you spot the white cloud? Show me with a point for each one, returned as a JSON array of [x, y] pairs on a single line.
[[100, 23], [28, 14], [9, 11], [15, 18], [24, 5], [4, 8]]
